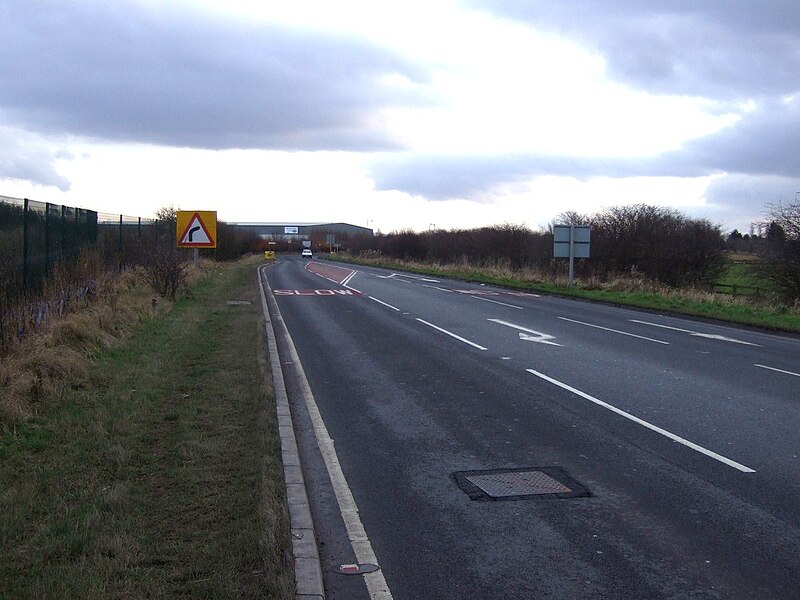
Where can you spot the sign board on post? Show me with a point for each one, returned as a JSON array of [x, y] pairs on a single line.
[[571, 241], [196, 228], [577, 236]]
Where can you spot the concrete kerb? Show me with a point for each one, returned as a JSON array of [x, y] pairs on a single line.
[[307, 567]]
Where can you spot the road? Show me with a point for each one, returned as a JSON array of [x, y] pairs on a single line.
[[682, 433]]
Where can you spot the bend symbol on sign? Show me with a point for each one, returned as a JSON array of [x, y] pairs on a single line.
[[197, 229]]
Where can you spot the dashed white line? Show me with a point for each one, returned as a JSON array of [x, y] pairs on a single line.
[[641, 337], [452, 335], [778, 370], [710, 336], [664, 432], [497, 302], [384, 303], [441, 289]]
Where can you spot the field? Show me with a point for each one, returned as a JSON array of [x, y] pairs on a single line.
[[154, 469]]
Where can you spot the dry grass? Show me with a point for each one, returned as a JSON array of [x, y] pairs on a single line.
[[58, 356], [154, 471]]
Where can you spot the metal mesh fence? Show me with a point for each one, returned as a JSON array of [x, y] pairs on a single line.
[[50, 255], [34, 237]]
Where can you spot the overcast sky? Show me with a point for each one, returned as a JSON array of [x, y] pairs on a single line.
[[404, 114]]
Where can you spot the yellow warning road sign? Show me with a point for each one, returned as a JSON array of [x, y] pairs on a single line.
[[196, 229]]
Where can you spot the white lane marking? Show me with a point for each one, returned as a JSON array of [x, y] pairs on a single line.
[[664, 432], [452, 335], [536, 336], [710, 336], [384, 303], [441, 289], [376, 583], [347, 279], [418, 278], [641, 337], [778, 370], [497, 302]]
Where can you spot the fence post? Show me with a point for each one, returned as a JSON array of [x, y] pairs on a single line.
[[25, 210], [63, 228], [120, 243], [46, 238]]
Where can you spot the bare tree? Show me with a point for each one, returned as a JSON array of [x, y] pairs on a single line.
[[781, 257]]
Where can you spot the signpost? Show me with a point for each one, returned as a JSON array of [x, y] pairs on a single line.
[[196, 229], [571, 241]]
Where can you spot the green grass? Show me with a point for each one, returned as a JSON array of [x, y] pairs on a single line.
[[161, 478], [688, 302]]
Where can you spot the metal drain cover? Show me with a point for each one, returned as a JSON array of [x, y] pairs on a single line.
[[519, 484]]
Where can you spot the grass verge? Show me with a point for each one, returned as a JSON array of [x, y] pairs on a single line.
[[635, 293], [161, 476]]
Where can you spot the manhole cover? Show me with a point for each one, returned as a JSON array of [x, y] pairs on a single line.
[[519, 484]]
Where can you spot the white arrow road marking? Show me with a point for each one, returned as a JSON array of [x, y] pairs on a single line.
[[536, 336], [710, 336], [627, 415]]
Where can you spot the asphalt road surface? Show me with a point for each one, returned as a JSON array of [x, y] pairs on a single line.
[[683, 437]]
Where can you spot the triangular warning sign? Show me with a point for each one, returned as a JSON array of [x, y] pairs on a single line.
[[196, 234]]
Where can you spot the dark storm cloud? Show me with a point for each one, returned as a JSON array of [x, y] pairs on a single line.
[[714, 48], [122, 72]]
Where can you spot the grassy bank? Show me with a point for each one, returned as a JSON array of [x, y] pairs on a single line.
[[158, 474], [628, 292]]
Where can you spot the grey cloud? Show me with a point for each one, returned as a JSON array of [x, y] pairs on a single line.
[[441, 177], [714, 48], [738, 200], [123, 72], [764, 143], [29, 161]]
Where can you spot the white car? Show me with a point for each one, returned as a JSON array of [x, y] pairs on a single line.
[[306, 253]]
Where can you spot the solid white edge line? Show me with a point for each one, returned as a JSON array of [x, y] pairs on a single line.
[[308, 573], [664, 432], [451, 334], [384, 303], [641, 337], [376, 583], [778, 370], [496, 302]]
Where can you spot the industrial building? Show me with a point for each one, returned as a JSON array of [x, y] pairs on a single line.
[[303, 231]]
